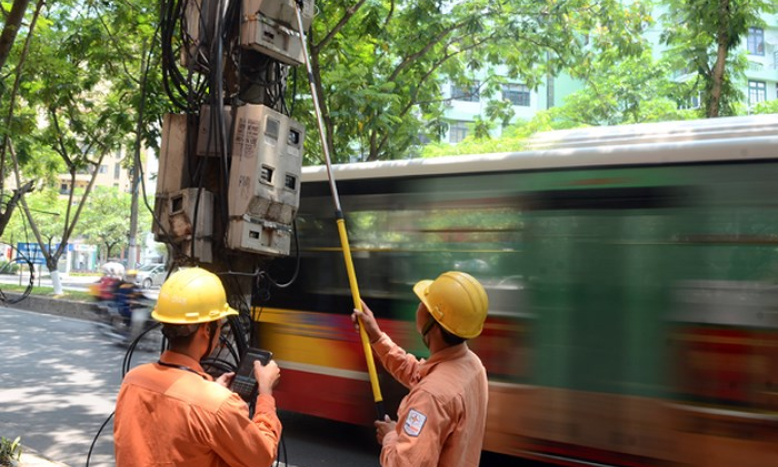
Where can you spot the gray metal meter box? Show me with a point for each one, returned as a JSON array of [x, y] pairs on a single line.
[[281, 11], [271, 38], [264, 189], [190, 216], [172, 169], [208, 140]]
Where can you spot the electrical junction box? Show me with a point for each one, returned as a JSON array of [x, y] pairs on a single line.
[[271, 38], [172, 153], [264, 189], [208, 141], [190, 217], [259, 236], [160, 223], [172, 170], [281, 11]]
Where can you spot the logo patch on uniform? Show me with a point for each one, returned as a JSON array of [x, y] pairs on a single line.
[[414, 422]]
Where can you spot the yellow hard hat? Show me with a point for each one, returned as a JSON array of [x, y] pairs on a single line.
[[457, 301], [192, 296]]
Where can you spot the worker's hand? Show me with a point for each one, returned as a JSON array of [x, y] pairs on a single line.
[[368, 321], [267, 376], [382, 427], [225, 379]]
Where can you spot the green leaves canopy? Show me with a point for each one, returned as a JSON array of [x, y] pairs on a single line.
[[380, 64]]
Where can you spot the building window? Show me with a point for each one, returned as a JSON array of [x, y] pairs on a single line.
[[517, 94], [693, 102], [757, 92], [117, 170], [103, 169], [471, 94], [457, 131], [755, 41], [63, 189]]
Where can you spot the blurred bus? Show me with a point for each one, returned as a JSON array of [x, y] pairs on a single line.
[[631, 273]]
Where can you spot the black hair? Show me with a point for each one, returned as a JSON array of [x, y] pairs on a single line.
[[450, 339], [182, 334]]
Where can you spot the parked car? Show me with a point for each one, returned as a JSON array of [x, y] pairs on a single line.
[[151, 275]]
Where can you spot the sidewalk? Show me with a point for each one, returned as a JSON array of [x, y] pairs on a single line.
[[31, 458]]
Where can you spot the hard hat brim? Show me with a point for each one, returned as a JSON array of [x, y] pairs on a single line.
[[421, 289], [214, 316]]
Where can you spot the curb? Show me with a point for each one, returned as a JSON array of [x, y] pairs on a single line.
[[53, 306], [32, 458]]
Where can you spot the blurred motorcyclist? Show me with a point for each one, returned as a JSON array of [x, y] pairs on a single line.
[[126, 294]]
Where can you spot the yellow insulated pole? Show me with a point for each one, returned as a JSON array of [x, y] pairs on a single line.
[[352, 276]]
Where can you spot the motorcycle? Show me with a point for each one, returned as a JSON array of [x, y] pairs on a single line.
[[121, 315]]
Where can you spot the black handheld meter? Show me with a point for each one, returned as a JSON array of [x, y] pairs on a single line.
[[244, 382]]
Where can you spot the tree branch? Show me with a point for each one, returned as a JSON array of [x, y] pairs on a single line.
[[349, 13], [435, 40], [425, 77], [5, 217], [15, 91], [63, 152], [12, 24]]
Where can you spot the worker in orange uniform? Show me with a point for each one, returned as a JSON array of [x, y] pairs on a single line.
[[173, 413], [443, 417]]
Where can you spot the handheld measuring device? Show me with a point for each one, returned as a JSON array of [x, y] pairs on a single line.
[[244, 383]]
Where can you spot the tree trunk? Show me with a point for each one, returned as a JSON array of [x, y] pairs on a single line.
[[717, 79], [11, 29], [56, 283], [12, 203]]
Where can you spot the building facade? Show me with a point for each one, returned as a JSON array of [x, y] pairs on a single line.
[[466, 105]]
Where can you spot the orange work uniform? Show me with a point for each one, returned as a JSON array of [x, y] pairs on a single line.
[[178, 416], [442, 419]]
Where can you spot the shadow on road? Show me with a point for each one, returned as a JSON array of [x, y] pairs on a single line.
[[58, 383]]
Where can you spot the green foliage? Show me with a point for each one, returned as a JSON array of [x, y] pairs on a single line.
[[47, 210], [73, 295], [10, 450], [702, 36], [634, 89], [81, 96], [7, 267], [105, 220], [381, 64], [766, 107], [471, 145]]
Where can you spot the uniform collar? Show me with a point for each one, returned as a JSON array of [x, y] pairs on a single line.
[[175, 358], [449, 353]]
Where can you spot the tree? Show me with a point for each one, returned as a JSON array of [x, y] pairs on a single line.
[[14, 123], [105, 220], [76, 83], [13, 22], [702, 36], [378, 66], [634, 89], [45, 207]]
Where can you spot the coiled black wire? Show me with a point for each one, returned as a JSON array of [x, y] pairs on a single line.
[[26, 293]]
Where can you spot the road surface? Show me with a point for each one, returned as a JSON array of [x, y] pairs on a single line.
[[58, 383]]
